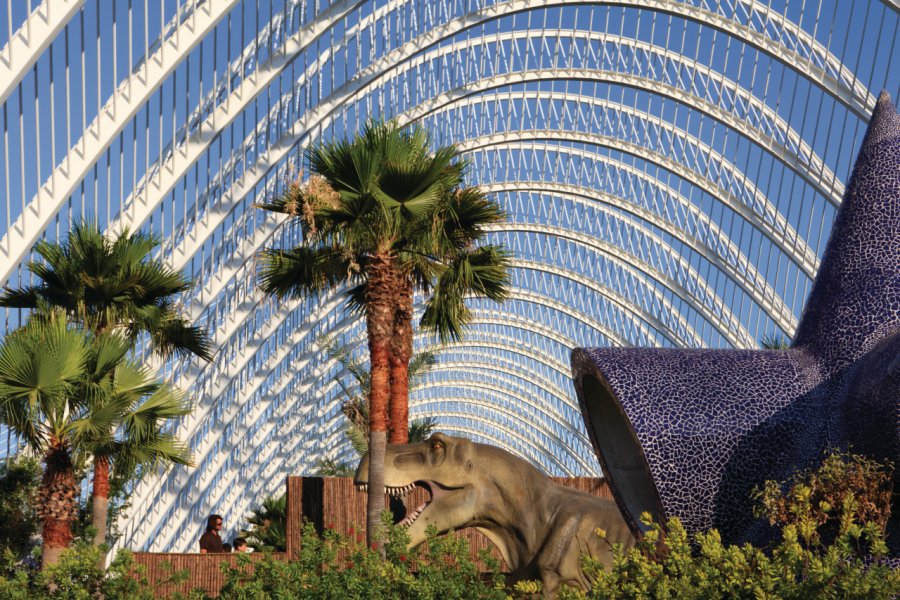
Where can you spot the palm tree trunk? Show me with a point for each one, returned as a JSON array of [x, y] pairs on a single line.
[[379, 324], [56, 503], [401, 353], [100, 498]]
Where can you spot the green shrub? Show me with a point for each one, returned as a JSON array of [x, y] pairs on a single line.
[[832, 522], [77, 577], [340, 566], [20, 477]]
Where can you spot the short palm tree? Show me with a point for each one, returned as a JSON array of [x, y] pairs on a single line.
[[62, 391], [41, 366], [385, 215], [139, 407], [268, 525], [108, 285]]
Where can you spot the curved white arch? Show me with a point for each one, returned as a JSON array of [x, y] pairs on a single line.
[[28, 43], [790, 242], [727, 324], [97, 137], [769, 300], [323, 114], [860, 100]]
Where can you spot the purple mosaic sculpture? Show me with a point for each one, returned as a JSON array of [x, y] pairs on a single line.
[[689, 433]]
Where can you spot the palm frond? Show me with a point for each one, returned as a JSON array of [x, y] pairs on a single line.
[[421, 429], [301, 271]]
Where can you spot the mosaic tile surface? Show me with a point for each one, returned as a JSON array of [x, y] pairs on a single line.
[[712, 424]]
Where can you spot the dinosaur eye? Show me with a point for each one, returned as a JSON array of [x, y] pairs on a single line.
[[437, 446]]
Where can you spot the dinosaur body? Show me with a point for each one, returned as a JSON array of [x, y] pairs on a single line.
[[542, 529]]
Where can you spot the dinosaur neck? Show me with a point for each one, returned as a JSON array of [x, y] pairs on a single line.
[[517, 513]]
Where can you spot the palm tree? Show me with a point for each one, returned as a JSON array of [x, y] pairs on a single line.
[[40, 367], [63, 391], [268, 525], [108, 285], [385, 215], [356, 404], [775, 341], [133, 437]]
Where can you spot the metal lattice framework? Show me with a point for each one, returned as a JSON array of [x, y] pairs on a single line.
[[670, 168]]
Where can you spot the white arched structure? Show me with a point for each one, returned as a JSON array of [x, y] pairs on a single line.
[[670, 172]]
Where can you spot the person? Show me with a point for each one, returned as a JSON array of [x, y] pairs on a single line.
[[210, 541], [226, 547], [240, 545]]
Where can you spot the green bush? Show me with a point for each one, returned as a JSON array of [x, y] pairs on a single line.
[[20, 477], [340, 566], [832, 522], [77, 577]]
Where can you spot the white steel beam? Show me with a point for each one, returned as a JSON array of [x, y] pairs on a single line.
[[129, 97], [767, 218], [322, 116], [766, 298], [28, 43], [138, 209], [726, 323]]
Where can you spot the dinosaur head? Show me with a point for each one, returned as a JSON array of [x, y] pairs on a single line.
[[443, 466]]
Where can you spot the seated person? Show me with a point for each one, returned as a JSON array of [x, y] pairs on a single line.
[[240, 545], [226, 547], [210, 541]]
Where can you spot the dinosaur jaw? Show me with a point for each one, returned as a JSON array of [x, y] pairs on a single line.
[[447, 510], [438, 493]]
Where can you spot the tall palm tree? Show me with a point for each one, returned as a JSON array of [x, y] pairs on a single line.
[[385, 215], [111, 285]]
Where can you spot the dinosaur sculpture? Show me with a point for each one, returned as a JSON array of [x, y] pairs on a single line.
[[542, 529]]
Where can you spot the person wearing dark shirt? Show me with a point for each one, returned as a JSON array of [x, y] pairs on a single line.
[[210, 541]]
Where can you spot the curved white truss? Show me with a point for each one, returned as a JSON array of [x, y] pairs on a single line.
[[31, 39], [637, 144], [131, 96]]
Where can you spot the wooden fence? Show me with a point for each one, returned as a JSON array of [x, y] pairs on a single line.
[[332, 502]]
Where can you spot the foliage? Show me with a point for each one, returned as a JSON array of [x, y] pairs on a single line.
[[20, 477], [68, 394], [340, 566], [815, 501], [356, 404], [78, 576], [268, 525], [775, 341], [385, 194], [107, 284], [831, 546]]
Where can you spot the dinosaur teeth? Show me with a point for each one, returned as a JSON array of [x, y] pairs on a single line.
[[411, 517]]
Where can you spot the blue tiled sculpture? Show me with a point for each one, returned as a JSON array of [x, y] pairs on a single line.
[[689, 433]]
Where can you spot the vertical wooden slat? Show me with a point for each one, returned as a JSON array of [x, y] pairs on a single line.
[[294, 487]]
